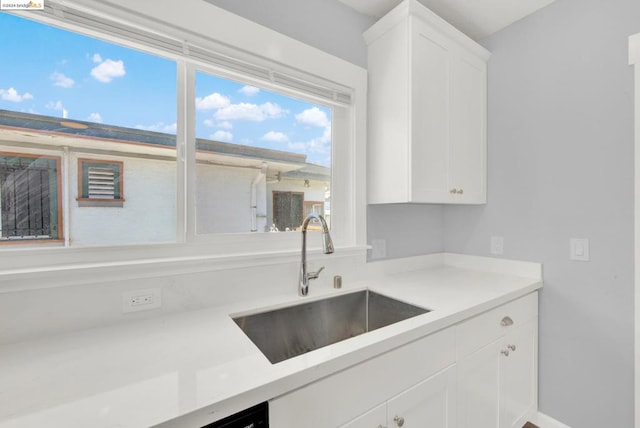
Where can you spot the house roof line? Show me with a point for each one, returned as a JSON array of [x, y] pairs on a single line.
[[90, 130]]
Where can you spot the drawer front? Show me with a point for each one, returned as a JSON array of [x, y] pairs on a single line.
[[480, 330], [336, 399]]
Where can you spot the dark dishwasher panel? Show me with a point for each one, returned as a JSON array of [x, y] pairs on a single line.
[[254, 417]]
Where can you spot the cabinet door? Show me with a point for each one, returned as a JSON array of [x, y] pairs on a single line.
[[468, 147], [430, 106], [479, 388], [430, 403], [374, 418], [519, 375]]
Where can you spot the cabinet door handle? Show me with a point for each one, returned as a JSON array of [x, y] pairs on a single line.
[[453, 191], [505, 352], [460, 191], [512, 347], [399, 420], [506, 322]]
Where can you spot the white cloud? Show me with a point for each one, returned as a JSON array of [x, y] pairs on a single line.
[[249, 90], [55, 105], [211, 123], [318, 148], [326, 135], [313, 116], [12, 95], [212, 102], [61, 80], [96, 58], [276, 137], [167, 128], [95, 117], [107, 70], [222, 136], [253, 112]]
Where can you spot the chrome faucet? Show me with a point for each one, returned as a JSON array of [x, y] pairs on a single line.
[[327, 245]]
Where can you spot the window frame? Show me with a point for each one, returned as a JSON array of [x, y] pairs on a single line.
[[86, 201], [247, 42]]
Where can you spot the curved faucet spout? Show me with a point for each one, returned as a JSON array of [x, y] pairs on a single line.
[[327, 246]]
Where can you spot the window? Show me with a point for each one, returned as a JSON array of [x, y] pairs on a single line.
[[30, 197], [288, 210], [104, 110], [100, 183], [313, 207], [135, 94], [253, 142]]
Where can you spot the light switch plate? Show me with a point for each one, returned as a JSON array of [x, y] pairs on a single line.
[[579, 249]]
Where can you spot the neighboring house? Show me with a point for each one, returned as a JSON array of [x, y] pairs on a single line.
[[117, 185]]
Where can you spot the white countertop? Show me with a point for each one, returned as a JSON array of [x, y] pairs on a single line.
[[200, 366]]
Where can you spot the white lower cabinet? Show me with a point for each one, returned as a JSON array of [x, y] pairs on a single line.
[[480, 373], [374, 418], [479, 388], [429, 403], [497, 383], [519, 376], [419, 369]]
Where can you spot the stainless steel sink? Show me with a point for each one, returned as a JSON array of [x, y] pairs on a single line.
[[294, 330]]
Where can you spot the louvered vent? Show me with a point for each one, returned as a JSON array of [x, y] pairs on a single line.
[[101, 183]]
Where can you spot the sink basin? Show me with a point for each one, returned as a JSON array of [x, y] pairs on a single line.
[[294, 330]]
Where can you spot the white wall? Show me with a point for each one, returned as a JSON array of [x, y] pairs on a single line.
[[561, 166], [147, 215], [224, 199], [325, 24], [408, 230]]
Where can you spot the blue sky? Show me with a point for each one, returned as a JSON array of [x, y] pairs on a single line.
[[54, 72]]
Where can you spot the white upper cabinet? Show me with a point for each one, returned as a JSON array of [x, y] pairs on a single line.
[[427, 110]]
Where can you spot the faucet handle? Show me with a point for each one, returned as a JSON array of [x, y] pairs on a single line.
[[314, 275]]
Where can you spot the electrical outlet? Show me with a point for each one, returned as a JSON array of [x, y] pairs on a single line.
[[141, 300], [497, 245], [378, 248]]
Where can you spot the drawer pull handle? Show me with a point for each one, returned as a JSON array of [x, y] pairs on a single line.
[[506, 322], [399, 420]]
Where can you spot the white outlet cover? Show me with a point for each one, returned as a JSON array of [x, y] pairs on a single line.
[[129, 299], [497, 245], [378, 248]]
